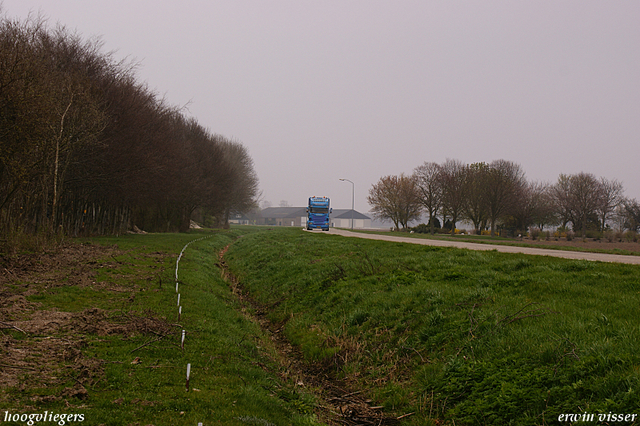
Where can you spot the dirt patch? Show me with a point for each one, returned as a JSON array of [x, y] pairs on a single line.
[[104, 323], [341, 403], [68, 265], [46, 350], [62, 256], [42, 350], [31, 363]]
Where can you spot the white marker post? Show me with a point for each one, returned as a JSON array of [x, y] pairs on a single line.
[[178, 300], [179, 312], [182, 342], [188, 374]]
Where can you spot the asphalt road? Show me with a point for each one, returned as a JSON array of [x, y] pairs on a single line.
[[599, 257]]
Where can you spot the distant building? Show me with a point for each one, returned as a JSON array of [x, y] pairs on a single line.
[[283, 216], [239, 219], [341, 218], [297, 216]]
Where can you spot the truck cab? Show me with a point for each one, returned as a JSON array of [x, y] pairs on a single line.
[[318, 213]]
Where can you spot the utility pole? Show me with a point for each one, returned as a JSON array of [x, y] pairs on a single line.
[[353, 191]]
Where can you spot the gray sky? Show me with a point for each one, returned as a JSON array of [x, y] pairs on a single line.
[[322, 90]]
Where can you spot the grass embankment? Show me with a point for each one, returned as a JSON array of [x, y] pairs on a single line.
[[99, 336], [467, 337]]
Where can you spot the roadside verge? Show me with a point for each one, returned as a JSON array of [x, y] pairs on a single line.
[[597, 257]]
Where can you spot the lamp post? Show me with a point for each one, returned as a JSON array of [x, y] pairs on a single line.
[[353, 189]]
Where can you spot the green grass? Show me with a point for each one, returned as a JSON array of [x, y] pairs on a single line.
[[462, 336], [455, 336], [235, 378]]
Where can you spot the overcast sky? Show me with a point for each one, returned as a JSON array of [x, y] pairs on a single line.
[[322, 90]]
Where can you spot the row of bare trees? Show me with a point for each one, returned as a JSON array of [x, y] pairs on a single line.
[[86, 149], [498, 193]]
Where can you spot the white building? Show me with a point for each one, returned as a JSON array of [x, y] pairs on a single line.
[[297, 216], [341, 218]]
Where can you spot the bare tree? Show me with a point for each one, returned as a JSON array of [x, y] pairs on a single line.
[[243, 187], [453, 181], [524, 210], [23, 118], [76, 116], [50, 113], [476, 207], [542, 202], [84, 148], [430, 191], [632, 214], [504, 181], [533, 206], [561, 198], [395, 198], [578, 197], [611, 197]]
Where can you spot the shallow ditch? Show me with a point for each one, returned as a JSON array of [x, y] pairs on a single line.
[[340, 404]]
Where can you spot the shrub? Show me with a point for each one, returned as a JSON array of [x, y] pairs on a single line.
[[534, 233], [631, 236], [596, 235], [423, 228], [569, 235]]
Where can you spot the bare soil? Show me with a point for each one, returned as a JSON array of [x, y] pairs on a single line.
[[41, 350]]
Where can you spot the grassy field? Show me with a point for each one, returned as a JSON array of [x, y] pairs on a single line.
[[96, 333], [434, 336], [451, 335]]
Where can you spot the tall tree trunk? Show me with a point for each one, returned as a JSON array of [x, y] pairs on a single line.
[[56, 168], [432, 227], [226, 225]]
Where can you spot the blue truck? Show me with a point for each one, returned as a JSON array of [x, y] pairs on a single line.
[[318, 212]]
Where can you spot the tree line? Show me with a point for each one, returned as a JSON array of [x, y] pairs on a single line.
[[495, 194], [87, 149]]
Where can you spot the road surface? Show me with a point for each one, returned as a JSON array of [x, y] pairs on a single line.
[[600, 257]]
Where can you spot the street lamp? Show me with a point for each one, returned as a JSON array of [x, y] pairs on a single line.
[[353, 189]]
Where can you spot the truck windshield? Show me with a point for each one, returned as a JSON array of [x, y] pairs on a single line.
[[319, 210]]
